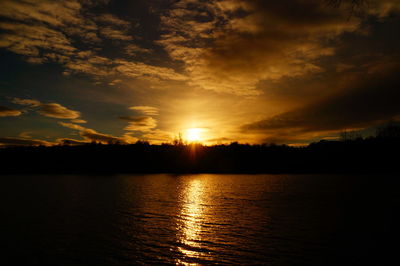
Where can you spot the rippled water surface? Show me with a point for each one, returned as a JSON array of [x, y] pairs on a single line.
[[197, 219]]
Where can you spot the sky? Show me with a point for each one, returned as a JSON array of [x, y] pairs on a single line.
[[217, 71]]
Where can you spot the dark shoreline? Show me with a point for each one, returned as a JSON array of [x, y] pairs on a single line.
[[373, 155]]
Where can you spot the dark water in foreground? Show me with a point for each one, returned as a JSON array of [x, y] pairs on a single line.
[[200, 219]]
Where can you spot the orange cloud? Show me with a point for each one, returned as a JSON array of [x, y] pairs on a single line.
[[92, 135], [5, 111], [147, 110], [53, 110], [56, 110], [268, 41], [139, 123], [23, 142]]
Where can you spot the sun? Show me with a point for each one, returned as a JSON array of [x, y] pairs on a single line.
[[194, 134]]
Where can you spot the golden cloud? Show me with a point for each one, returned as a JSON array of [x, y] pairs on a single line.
[[139, 123], [5, 111], [147, 110], [92, 135], [268, 41], [53, 110]]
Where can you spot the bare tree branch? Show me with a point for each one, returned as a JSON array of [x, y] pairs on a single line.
[[356, 7], [354, 3]]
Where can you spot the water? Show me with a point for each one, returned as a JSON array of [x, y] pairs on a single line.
[[199, 219]]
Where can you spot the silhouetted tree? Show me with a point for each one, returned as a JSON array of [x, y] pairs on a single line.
[[66, 142], [349, 135], [142, 142], [178, 141], [389, 131]]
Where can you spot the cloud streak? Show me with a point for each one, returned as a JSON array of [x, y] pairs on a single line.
[[147, 110], [54, 110], [5, 111], [368, 101], [91, 135], [23, 142], [139, 123]]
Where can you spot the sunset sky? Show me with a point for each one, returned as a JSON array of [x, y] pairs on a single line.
[[287, 71]]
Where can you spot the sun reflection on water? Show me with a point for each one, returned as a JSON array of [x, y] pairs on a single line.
[[191, 215]]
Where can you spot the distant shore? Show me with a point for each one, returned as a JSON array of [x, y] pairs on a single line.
[[373, 155]]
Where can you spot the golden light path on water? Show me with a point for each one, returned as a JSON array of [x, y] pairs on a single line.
[[192, 212]]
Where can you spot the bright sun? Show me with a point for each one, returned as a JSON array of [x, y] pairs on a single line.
[[193, 134]]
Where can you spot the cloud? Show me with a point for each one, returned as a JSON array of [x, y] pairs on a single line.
[[79, 121], [56, 110], [5, 111], [53, 110], [48, 31], [30, 102], [97, 137], [135, 123], [230, 46], [225, 46], [112, 33], [366, 101], [158, 136], [23, 142], [25, 135], [133, 49], [102, 67], [383, 8], [147, 110], [139, 123], [90, 135], [86, 66], [222, 140], [113, 20], [49, 12], [127, 137], [68, 141], [31, 40], [93, 135], [144, 71], [72, 126], [341, 67]]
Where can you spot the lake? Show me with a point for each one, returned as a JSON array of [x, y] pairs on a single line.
[[200, 219]]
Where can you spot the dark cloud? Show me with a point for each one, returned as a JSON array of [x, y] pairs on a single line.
[[68, 141], [5, 111], [23, 142], [369, 100]]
